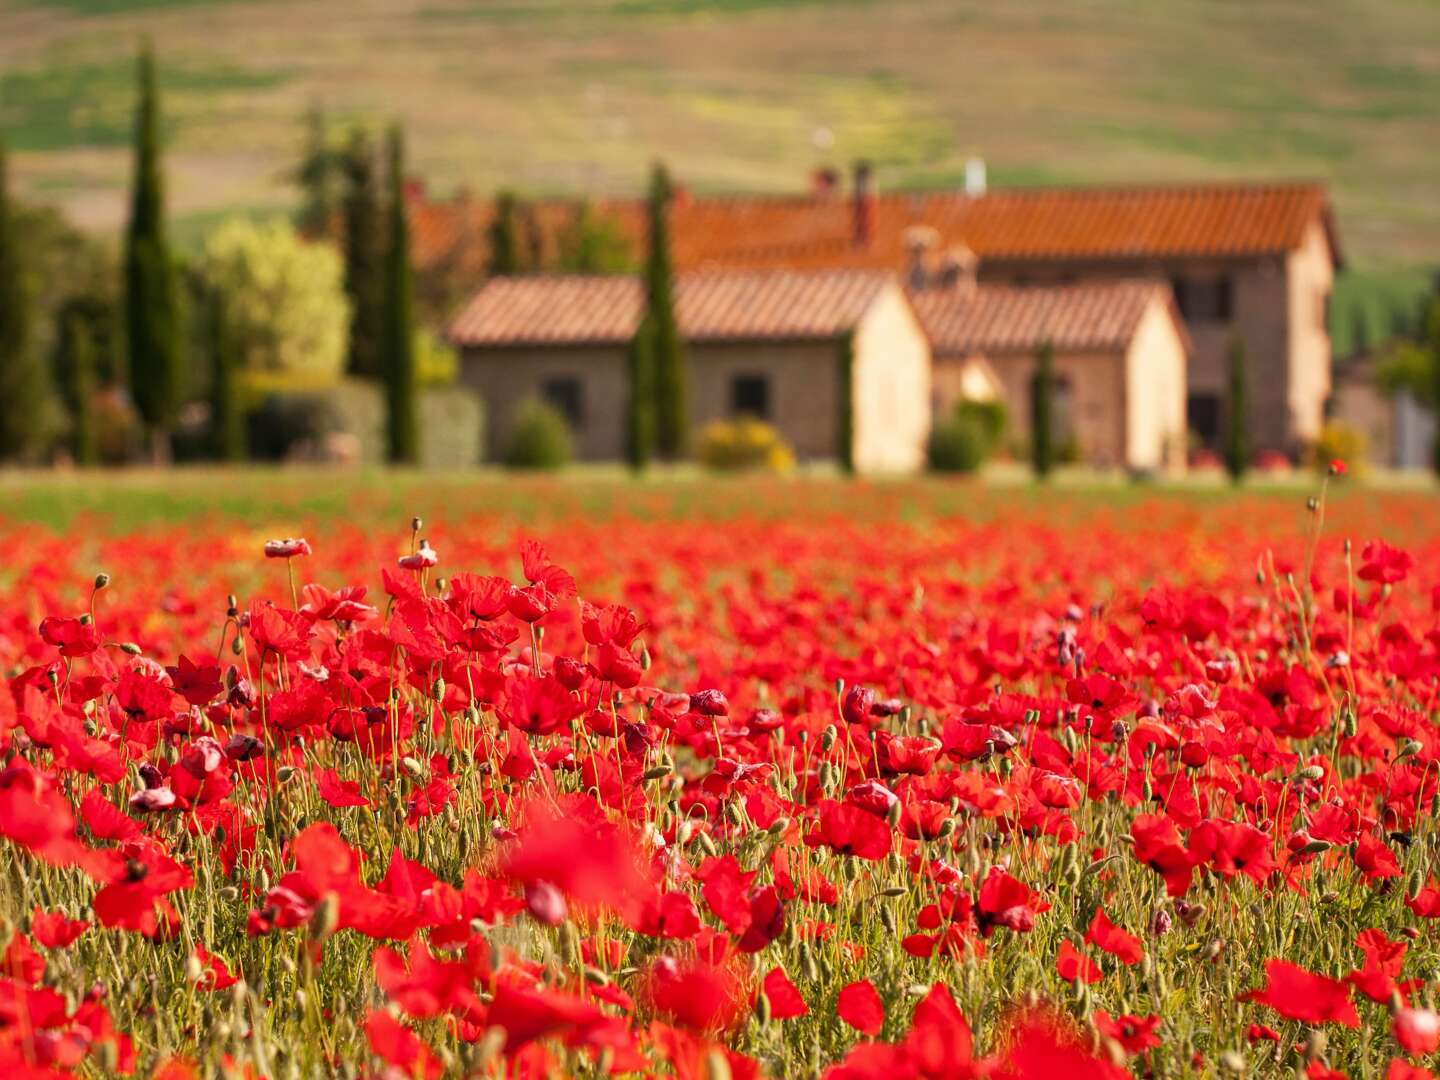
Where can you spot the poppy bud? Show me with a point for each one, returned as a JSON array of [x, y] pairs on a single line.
[[887, 920], [706, 844], [416, 524], [1233, 1061], [130, 648], [762, 1008], [415, 769], [655, 772], [101, 580], [324, 919], [546, 903], [717, 1065], [856, 705], [284, 773], [778, 826]]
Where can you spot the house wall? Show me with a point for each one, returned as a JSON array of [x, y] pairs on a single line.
[[1262, 313], [1310, 274], [506, 378], [892, 386], [803, 388], [1155, 391], [1097, 396]]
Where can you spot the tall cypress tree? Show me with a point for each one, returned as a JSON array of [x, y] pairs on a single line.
[[640, 396], [672, 418], [1042, 412], [364, 261], [845, 420], [227, 423], [398, 330], [504, 236], [22, 377], [316, 175], [75, 365], [1237, 418], [151, 298]]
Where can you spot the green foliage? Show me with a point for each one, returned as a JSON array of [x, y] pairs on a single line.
[[320, 177], [364, 256], [593, 244], [504, 236], [845, 403], [1237, 415], [640, 396], [540, 439], [284, 298], [744, 444], [75, 375], [1042, 412], [398, 328], [672, 414], [963, 441], [23, 390], [1340, 441], [227, 420], [152, 312]]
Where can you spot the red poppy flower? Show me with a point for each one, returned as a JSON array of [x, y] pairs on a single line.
[[1302, 995], [1072, 964], [785, 1000], [859, 1005], [1104, 934]]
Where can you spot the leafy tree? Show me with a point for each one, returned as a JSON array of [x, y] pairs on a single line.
[[364, 256], [845, 425], [505, 236], [672, 418], [319, 176], [593, 244], [227, 420], [23, 392], [1237, 415], [640, 396], [75, 371], [398, 328], [284, 298], [152, 311], [541, 439], [1042, 412]]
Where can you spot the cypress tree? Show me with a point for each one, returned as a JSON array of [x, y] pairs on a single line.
[[640, 397], [1042, 412], [151, 299], [227, 423], [22, 377], [75, 369], [398, 330], [364, 270], [845, 429], [316, 176], [504, 236], [672, 419], [1237, 438]]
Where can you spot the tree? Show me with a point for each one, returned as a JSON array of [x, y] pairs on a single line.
[[364, 249], [23, 392], [672, 420], [505, 236], [319, 177], [75, 371], [284, 301], [398, 324], [152, 314], [1042, 412], [1237, 416], [592, 244], [640, 396], [845, 420], [227, 423]]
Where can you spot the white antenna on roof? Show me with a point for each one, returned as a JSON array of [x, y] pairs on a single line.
[[975, 176]]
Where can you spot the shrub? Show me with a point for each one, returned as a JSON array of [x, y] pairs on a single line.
[[963, 442], [1339, 441], [541, 439], [744, 443]]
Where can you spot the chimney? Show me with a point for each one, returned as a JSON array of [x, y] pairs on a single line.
[[865, 202], [824, 182], [975, 182], [920, 240], [960, 272]]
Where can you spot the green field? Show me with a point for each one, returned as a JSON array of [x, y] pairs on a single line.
[[559, 96]]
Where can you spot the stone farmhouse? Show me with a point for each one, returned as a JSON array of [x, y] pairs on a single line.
[[1247, 262]]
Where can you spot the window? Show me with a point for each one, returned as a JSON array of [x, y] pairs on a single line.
[[568, 396], [1205, 301], [750, 395], [1204, 413]]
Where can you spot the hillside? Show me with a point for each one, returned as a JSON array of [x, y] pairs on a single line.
[[560, 95]]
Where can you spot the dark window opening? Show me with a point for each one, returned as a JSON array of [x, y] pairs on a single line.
[[1205, 301], [568, 397], [1204, 412], [750, 396]]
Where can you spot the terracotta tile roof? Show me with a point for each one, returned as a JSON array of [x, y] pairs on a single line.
[[750, 305], [1042, 224], [998, 319]]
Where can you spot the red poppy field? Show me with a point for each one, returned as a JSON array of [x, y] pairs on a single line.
[[786, 780]]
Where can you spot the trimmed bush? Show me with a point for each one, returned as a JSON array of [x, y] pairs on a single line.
[[744, 443], [541, 439], [962, 443], [1339, 441]]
